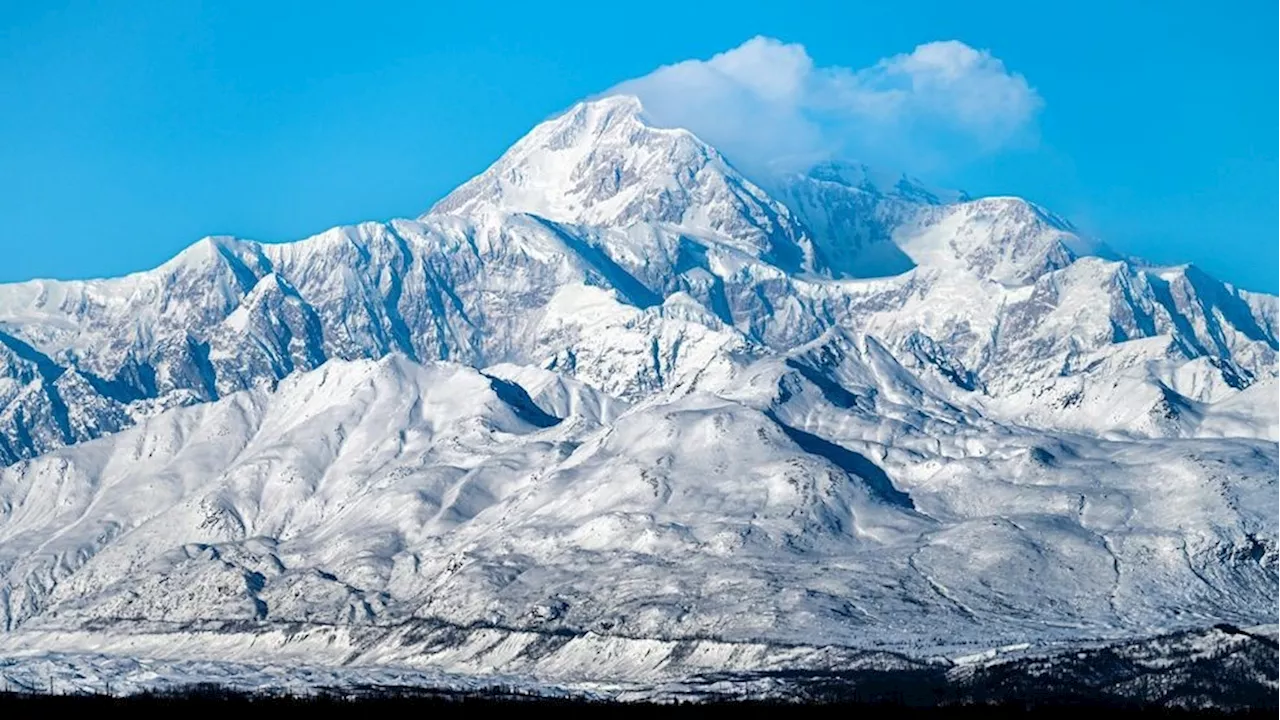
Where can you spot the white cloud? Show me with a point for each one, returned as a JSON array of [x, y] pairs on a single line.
[[765, 102]]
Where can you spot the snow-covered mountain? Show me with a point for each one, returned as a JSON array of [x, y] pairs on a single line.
[[613, 389]]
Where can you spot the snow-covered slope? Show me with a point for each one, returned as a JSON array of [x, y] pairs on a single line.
[[612, 399], [376, 492], [852, 211]]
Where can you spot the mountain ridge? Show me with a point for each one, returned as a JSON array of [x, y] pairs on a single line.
[[645, 261]]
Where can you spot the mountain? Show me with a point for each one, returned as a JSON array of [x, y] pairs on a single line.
[[613, 411]]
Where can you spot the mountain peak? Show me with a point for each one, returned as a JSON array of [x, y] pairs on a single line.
[[883, 183], [548, 172], [618, 117], [1009, 240], [601, 163]]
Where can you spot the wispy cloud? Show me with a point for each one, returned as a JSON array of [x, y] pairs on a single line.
[[767, 103]]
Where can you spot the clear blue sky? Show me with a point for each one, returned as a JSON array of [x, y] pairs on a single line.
[[130, 129]]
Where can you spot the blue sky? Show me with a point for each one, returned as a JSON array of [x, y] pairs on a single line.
[[129, 130]]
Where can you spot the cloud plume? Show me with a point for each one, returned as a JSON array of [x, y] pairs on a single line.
[[765, 103]]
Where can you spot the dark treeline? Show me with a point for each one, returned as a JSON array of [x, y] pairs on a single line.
[[362, 703]]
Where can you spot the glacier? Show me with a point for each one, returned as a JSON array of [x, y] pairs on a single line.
[[614, 415]]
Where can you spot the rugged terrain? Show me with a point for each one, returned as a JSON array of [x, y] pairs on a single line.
[[613, 413]]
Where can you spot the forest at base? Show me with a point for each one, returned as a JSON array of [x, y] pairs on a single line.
[[829, 703]]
